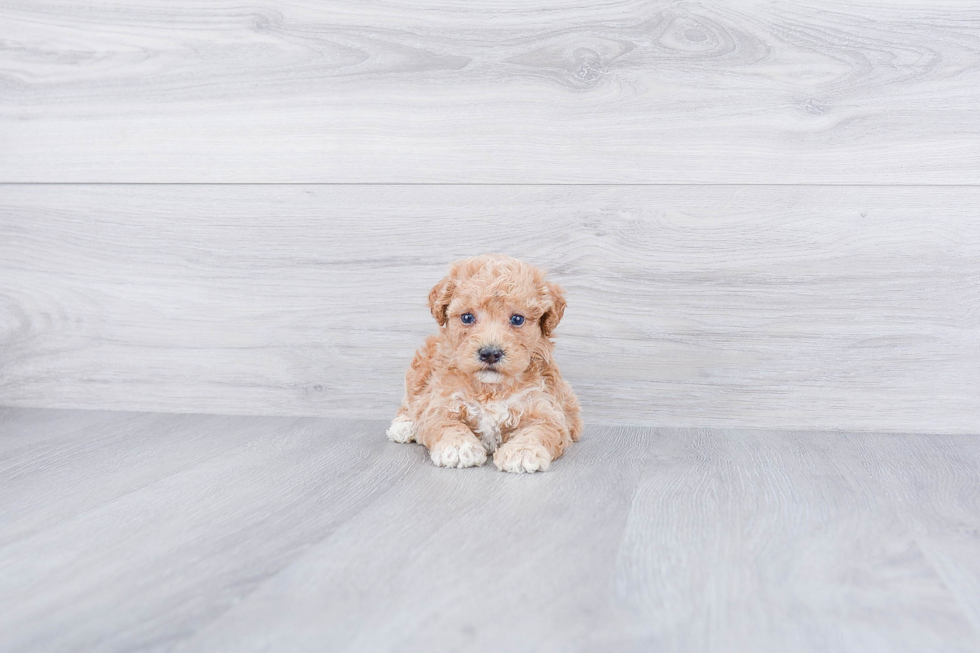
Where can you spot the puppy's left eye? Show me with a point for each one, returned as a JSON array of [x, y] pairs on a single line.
[[517, 320]]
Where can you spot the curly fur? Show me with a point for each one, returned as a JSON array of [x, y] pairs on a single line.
[[518, 409]]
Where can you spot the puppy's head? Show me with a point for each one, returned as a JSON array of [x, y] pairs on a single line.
[[497, 313]]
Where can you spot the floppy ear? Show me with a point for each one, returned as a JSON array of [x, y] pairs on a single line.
[[552, 316], [439, 298]]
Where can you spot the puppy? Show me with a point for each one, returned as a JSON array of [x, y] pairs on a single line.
[[487, 382]]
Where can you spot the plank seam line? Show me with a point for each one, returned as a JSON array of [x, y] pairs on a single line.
[[466, 184]]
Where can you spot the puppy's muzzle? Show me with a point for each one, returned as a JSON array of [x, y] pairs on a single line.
[[490, 354]]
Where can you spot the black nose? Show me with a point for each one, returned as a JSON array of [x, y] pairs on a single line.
[[491, 355]]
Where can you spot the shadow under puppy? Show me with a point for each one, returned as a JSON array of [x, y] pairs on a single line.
[[487, 382]]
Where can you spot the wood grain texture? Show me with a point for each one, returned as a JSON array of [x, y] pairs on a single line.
[[202, 533], [518, 91], [782, 307]]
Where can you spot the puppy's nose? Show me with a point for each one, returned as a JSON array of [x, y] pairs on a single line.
[[491, 355]]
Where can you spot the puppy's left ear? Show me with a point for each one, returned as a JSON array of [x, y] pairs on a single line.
[[552, 316]]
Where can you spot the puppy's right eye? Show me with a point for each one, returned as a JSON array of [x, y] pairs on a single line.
[[467, 318]]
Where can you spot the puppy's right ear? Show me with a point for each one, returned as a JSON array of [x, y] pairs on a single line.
[[439, 299]]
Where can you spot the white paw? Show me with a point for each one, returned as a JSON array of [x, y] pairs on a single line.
[[519, 458], [401, 430], [454, 451]]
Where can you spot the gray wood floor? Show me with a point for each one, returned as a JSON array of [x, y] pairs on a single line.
[[126, 531]]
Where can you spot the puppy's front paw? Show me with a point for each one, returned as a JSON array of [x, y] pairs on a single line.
[[521, 457], [401, 430], [458, 451]]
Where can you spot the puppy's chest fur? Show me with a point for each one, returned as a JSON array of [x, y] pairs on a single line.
[[491, 419]]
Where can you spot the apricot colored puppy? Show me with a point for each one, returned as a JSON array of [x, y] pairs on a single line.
[[487, 383]]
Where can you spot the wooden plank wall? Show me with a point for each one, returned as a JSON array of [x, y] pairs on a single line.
[[765, 214], [504, 91]]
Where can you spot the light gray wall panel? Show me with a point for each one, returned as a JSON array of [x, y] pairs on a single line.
[[513, 91], [773, 306]]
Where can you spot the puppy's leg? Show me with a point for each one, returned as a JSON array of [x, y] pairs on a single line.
[[532, 447], [573, 413], [402, 428], [451, 443]]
